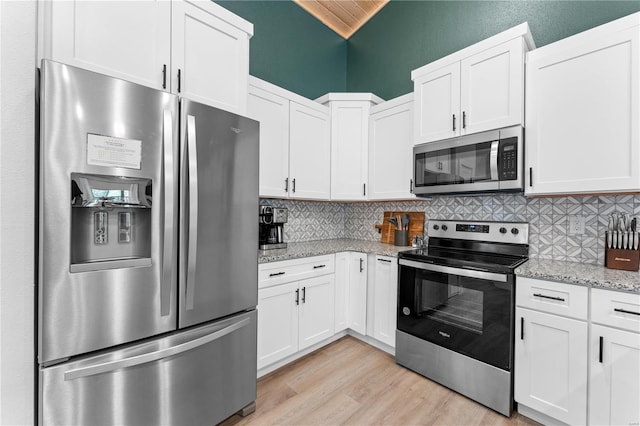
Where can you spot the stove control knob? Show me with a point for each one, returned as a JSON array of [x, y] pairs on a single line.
[[436, 227], [444, 227], [503, 230], [514, 231]]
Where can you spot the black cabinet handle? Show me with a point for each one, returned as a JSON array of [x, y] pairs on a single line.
[[384, 260], [164, 76], [600, 352], [286, 185], [275, 274], [464, 120], [624, 311], [454, 122], [294, 185], [560, 299], [304, 292], [297, 296], [364, 189], [410, 186], [179, 78], [521, 328], [319, 266], [361, 264], [530, 176]]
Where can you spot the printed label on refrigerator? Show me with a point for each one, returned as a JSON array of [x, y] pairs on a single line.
[[114, 152]]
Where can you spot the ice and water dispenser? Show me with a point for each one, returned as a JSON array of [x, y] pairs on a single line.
[[110, 222]]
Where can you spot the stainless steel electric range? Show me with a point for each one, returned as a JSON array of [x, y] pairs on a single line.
[[456, 307]]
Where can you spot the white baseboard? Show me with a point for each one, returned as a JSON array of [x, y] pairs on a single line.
[[538, 416]]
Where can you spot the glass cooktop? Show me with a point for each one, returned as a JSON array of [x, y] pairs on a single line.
[[490, 262]]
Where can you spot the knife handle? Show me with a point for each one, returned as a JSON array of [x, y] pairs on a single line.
[[636, 240], [625, 240], [609, 238]]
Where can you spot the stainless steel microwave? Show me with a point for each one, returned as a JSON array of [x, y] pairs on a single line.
[[483, 162]]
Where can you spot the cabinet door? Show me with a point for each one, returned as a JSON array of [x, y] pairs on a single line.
[[551, 365], [272, 112], [277, 323], [358, 292], [615, 377], [316, 314], [309, 151], [437, 105], [349, 146], [210, 56], [492, 88], [341, 291], [582, 109], [124, 39], [390, 153], [385, 295]]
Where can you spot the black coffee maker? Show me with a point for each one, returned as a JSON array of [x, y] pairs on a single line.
[[271, 232]]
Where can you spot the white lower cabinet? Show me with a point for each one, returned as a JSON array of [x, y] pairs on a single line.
[[351, 292], [277, 323], [614, 380], [551, 365], [295, 306], [315, 314], [385, 294], [565, 351]]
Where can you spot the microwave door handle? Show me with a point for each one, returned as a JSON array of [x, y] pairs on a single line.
[[168, 251], [192, 158], [494, 160], [119, 364]]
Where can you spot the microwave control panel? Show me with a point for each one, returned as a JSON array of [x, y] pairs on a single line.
[[508, 159]]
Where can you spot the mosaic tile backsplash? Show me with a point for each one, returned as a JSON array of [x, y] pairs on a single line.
[[548, 219]]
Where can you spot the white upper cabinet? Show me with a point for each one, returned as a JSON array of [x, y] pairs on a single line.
[[295, 142], [583, 112], [194, 48], [272, 111], [475, 89], [309, 151], [492, 88], [210, 54], [390, 150], [437, 104], [349, 143], [127, 40]]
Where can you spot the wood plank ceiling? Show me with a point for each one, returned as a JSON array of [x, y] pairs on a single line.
[[344, 17]]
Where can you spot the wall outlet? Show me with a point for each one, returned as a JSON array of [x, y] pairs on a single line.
[[576, 225]]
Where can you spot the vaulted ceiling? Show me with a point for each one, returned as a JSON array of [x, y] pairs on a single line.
[[344, 17]]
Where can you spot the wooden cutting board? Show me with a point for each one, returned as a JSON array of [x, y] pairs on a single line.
[[416, 226]]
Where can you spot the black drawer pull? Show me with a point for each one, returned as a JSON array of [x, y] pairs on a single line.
[[560, 299], [521, 328], [297, 296], [624, 311], [600, 354], [319, 266], [275, 274], [384, 260]]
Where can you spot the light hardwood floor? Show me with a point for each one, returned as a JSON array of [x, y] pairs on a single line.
[[351, 383]]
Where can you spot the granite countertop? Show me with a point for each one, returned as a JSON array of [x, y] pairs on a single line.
[[595, 276], [320, 247]]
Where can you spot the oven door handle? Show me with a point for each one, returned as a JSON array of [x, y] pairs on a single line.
[[482, 275]]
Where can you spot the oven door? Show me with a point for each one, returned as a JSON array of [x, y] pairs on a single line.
[[466, 311]]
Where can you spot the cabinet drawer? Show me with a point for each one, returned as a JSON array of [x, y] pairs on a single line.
[[555, 298], [616, 309], [275, 273]]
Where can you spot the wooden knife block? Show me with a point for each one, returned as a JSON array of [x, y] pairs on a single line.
[[627, 260], [416, 226]]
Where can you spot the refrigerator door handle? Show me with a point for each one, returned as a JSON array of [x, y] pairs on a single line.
[[106, 367], [169, 178], [192, 157]]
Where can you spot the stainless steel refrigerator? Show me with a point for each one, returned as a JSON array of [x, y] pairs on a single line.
[[147, 271]]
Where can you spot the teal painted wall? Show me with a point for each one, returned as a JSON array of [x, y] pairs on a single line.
[[292, 49], [405, 35]]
